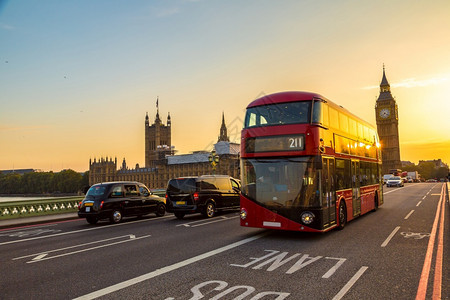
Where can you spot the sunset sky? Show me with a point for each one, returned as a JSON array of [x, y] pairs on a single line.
[[77, 77]]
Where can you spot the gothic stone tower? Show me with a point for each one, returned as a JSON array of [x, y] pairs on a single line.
[[158, 139], [223, 136], [387, 124]]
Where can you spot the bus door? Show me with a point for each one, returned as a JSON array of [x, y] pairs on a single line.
[[356, 195], [328, 192]]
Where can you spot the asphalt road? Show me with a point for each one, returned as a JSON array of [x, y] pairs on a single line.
[[381, 255]]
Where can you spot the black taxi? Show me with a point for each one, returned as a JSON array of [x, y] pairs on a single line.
[[115, 200]]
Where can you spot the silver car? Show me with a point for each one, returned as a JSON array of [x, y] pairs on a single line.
[[394, 181]]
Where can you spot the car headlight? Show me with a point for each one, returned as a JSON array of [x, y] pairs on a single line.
[[307, 217], [243, 214]]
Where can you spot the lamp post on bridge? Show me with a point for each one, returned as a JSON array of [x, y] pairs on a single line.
[[214, 160]]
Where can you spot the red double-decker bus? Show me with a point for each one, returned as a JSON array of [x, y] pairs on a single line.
[[307, 164]]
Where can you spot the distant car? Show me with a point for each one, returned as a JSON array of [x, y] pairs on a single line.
[[115, 200], [386, 177], [394, 181], [431, 180], [202, 194]]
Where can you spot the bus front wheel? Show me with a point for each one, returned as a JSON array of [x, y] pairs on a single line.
[[342, 215]]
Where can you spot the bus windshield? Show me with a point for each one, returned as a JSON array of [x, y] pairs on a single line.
[[281, 182], [278, 114]]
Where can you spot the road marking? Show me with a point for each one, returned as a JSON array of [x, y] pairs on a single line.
[[215, 221], [131, 236], [81, 230], [133, 281], [205, 222], [42, 256], [390, 236], [397, 189], [418, 203], [350, 283], [440, 252], [408, 215], [414, 235], [422, 288], [424, 197]]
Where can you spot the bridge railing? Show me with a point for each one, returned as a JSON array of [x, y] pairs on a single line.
[[31, 208]]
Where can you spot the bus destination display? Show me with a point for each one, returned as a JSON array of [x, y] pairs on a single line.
[[275, 143]]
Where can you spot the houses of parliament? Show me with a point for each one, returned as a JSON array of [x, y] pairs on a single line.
[[161, 163]]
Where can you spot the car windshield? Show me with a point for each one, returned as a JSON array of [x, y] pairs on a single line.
[[96, 190], [395, 178], [278, 114], [181, 185], [281, 182]]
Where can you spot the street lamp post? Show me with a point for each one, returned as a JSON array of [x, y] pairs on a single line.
[[214, 160]]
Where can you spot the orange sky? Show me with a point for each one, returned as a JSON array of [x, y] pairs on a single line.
[[71, 91]]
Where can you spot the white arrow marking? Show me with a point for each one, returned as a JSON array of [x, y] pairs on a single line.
[[41, 256], [131, 237]]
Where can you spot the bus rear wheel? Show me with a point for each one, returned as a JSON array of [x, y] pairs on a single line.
[[342, 215], [375, 207]]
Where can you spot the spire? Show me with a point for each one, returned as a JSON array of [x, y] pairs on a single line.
[[157, 120], [146, 119], [384, 85], [223, 136], [169, 121], [385, 88]]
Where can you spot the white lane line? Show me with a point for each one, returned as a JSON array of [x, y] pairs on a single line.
[[204, 222], [396, 189], [390, 236], [424, 197], [133, 281], [76, 246], [418, 203], [409, 215], [88, 249], [350, 283], [215, 221], [81, 230], [199, 221]]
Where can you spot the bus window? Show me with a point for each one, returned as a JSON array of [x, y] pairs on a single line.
[[334, 118], [325, 115], [343, 122], [278, 114], [360, 131], [352, 127], [251, 120], [366, 133]]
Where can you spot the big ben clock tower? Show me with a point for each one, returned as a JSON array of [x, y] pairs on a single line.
[[387, 126]]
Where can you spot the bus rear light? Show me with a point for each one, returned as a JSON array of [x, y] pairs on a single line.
[[307, 217], [196, 197], [243, 213]]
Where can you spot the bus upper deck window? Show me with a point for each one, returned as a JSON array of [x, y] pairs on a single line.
[[320, 113]]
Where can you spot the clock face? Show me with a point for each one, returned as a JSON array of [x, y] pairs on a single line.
[[384, 113]]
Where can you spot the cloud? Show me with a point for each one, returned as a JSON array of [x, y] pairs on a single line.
[[18, 128], [166, 12], [6, 26], [413, 82]]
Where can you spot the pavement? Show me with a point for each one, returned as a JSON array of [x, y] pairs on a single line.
[[19, 222]]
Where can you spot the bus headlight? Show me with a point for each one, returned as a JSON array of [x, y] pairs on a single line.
[[243, 214], [307, 217]]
